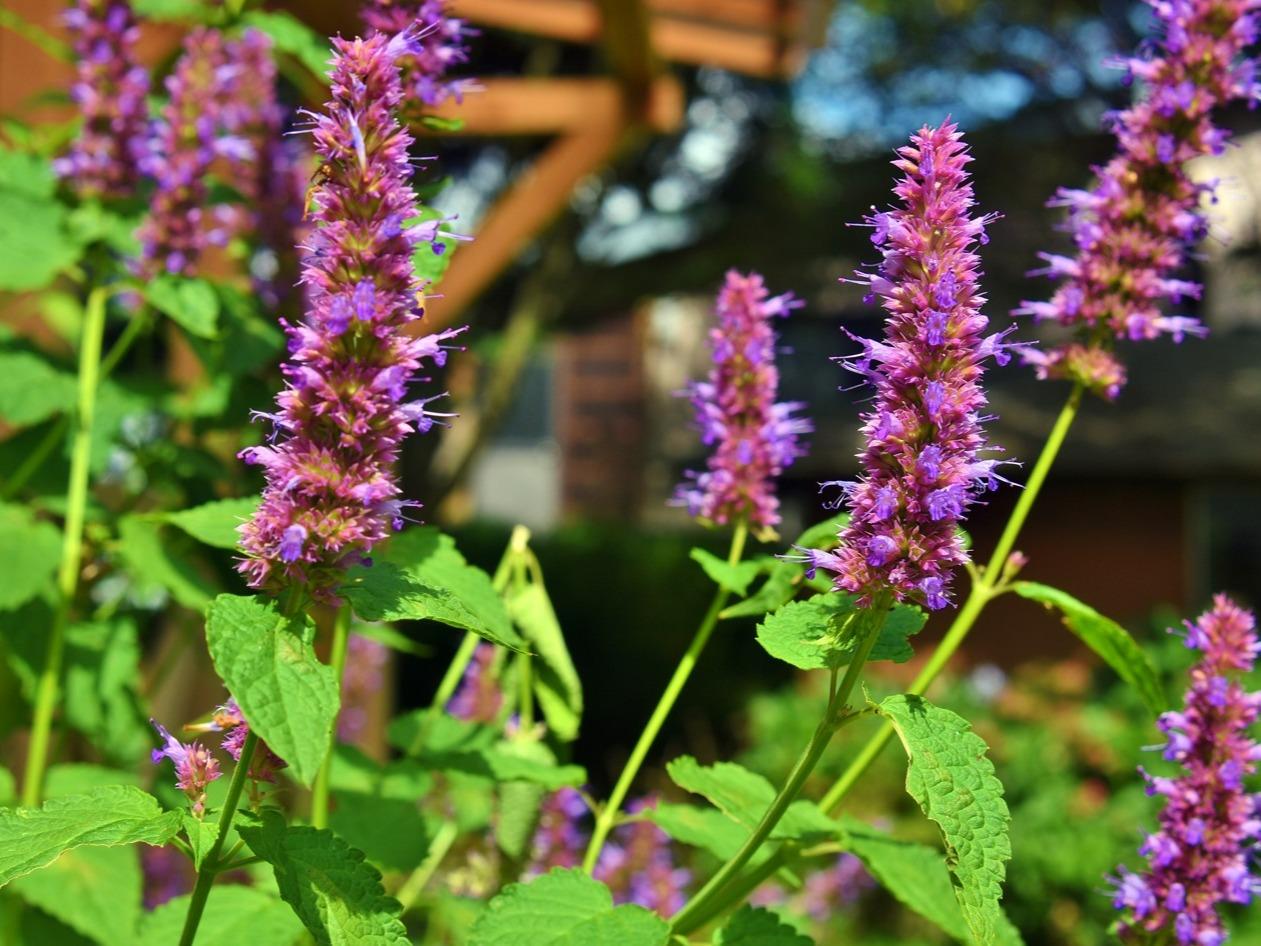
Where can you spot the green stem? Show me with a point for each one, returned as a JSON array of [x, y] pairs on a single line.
[[984, 588], [686, 920], [71, 548], [415, 884], [608, 814], [526, 691], [320, 791], [210, 866], [37, 36]]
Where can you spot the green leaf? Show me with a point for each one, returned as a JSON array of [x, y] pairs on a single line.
[[266, 661], [8, 788], [953, 781], [154, 561], [81, 778], [375, 808], [807, 634], [734, 578], [31, 838], [94, 891], [779, 588], [430, 265], [914, 873], [745, 796], [102, 667], [421, 576], [294, 37], [215, 523], [754, 926], [337, 895], [32, 390], [30, 550], [26, 173], [190, 302], [195, 11], [1106, 638], [556, 682], [234, 914], [517, 816], [565, 908], [823, 535], [34, 244], [201, 834], [706, 828]]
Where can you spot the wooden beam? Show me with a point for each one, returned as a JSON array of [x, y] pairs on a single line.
[[554, 106], [773, 16]]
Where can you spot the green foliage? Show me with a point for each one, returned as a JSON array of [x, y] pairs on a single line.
[[421, 576], [294, 37], [565, 908], [8, 788], [816, 634], [745, 796], [785, 578], [31, 838], [265, 659], [1106, 638], [375, 808], [215, 523], [32, 390], [556, 683], [234, 914], [431, 266], [35, 245], [93, 890], [954, 784], [754, 926], [201, 834], [335, 893], [188, 301], [153, 560], [31, 550], [705, 828], [733, 578], [102, 671], [453, 745]]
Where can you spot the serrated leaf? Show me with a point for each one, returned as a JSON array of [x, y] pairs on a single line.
[[154, 561], [93, 890], [1106, 638], [733, 578], [754, 926], [32, 390], [804, 633], [201, 834], [914, 873], [953, 781], [336, 894], [266, 661], [191, 302], [421, 576], [516, 817], [565, 908], [745, 796], [294, 37], [34, 244], [30, 550], [556, 682], [215, 523], [705, 828], [390, 831], [234, 914], [31, 838]]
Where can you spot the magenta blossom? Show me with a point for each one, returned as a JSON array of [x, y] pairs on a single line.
[[105, 158], [1133, 227], [440, 44], [754, 438], [1202, 854], [331, 492], [195, 767], [924, 460], [479, 697], [229, 720]]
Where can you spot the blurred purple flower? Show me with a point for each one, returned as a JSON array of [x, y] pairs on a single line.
[[440, 42], [479, 697], [229, 720], [362, 681], [1132, 229], [638, 866], [195, 767]]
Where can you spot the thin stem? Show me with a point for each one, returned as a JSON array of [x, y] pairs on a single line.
[[607, 815], [71, 547], [983, 590], [686, 920], [526, 691], [446, 689], [37, 36], [210, 866], [320, 791], [415, 884]]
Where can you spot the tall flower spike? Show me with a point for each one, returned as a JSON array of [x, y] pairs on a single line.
[[177, 231], [923, 462], [104, 160], [754, 438], [331, 492], [1133, 228], [440, 43], [1202, 854]]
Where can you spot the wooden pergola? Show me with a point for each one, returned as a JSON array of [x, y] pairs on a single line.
[[593, 117]]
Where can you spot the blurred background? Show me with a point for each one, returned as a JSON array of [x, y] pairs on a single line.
[[615, 160]]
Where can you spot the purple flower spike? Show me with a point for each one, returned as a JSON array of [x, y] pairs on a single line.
[[228, 720], [1133, 228], [638, 866], [755, 439], [559, 840], [922, 462], [434, 42], [105, 159], [479, 698], [345, 411], [363, 679], [195, 767], [1202, 854]]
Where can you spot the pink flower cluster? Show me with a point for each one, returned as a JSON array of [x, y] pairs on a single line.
[[441, 43], [1132, 229]]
